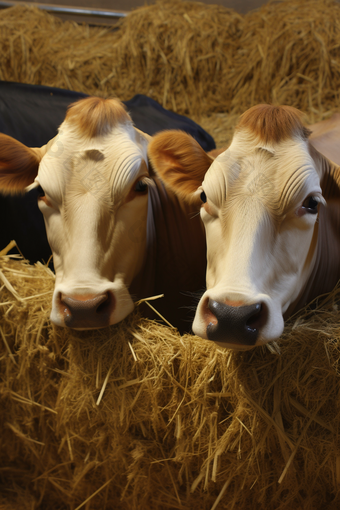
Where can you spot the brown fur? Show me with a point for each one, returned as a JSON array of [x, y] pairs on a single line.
[[96, 116], [326, 240], [273, 124], [180, 161], [18, 165], [329, 173]]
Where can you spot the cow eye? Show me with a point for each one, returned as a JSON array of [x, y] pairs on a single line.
[[42, 197], [141, 187], [311, 204], [203, 197]]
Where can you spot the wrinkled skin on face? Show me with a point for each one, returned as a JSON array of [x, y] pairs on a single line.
[[117, 233], [94, 202], [272, 243], [260, 233], [93, 185]]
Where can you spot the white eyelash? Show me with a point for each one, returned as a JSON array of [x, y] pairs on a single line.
[[198, 191], [321, 200], [148, 181], [35, 184]]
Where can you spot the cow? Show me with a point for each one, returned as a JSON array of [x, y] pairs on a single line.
[[32, 114], [270, 205], [116, 233]]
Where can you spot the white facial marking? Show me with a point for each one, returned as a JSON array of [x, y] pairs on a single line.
[[259, 213], [96, 220]]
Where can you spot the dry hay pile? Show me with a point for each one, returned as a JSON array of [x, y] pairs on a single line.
[[173, 51], [289, 54], [134, 417], [193, 58]]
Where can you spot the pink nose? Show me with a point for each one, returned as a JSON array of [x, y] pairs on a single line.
[[87, 312]]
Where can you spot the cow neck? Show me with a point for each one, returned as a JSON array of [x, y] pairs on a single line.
[[175, 261], [180, 241], [143, 285], [325, 271]]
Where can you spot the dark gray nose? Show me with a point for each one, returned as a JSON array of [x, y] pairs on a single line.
[[87, 314], [236, 324]]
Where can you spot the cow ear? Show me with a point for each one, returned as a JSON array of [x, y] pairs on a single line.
[[330, 182], [18, 165], [329, 173], [142, 139], [180, 162]]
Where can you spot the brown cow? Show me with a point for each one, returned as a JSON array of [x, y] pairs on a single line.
[[271, 209], [117, 235]]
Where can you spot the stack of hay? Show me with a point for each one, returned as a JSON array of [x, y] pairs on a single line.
[[193, 58], [134, 416]]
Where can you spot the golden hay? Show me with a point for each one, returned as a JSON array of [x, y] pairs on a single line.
[[191, 57], [136, 417], [169, 51], [289, 54]]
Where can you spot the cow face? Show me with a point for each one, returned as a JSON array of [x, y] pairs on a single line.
[[260, 210], [93, 182], [260, 202]]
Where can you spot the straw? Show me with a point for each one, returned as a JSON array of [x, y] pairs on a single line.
[[136, 416]]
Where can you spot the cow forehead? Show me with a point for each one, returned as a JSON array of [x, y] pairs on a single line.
[[110, 162], [276, 173]]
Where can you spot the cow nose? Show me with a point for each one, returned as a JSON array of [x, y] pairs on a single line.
[[236, 324], [92, 312]]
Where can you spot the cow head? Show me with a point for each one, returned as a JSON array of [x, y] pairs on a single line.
[[260, 203], [93, 182]]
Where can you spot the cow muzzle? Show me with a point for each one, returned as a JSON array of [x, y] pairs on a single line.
[[238, 325], [87, 312]]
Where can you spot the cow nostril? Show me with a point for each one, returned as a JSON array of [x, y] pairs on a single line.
[[259, 317], [236, 324], [209, 312], [87, 311], [106, 303]]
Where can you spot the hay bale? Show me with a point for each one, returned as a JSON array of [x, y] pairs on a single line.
[[134, 416], [173, 51], [192, 58], [289, 54]]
